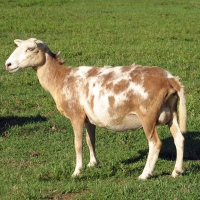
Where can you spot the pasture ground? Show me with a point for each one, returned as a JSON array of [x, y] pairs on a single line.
[[36, 142]]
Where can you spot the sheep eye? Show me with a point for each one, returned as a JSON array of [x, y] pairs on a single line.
[[30, 49]]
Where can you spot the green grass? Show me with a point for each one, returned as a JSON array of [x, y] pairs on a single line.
[[36, 142]]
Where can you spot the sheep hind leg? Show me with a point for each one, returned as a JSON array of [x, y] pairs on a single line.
[[90, 138], [154, 149], [179, 143]]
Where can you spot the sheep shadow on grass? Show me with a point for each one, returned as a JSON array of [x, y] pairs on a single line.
[[6, 122], [168, 150], [191, 147]]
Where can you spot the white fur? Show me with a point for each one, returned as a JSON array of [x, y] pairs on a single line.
[[151, 160], [178, 140]]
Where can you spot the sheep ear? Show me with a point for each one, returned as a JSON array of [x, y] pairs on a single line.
[[18, 42]]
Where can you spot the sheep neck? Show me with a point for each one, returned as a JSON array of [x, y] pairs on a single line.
[[51, 74]]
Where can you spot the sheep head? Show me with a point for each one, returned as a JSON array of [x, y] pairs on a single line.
[[29, 53]]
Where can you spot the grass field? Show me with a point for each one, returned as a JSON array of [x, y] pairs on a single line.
[[36, 142]]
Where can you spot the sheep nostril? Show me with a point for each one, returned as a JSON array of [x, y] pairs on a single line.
[[8, 65]]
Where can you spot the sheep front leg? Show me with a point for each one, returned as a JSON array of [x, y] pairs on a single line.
[[90, 138], [78, 142]]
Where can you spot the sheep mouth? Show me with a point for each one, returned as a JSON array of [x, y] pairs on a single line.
[[13, 70]]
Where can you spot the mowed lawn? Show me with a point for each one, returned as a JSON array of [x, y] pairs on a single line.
[[37, 154]]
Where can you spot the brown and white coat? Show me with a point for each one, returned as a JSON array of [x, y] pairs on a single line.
[[116, 98]]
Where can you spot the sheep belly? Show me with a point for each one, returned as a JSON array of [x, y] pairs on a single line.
[[129, 122]]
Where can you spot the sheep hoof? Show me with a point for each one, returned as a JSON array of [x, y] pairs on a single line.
[[176, 173]]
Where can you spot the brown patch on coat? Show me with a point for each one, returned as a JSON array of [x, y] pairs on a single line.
[[126, 68], [109, 86], [93, 72], [111, 101], [155, 81], [92, 102], [120, 86], [70, 109], [107, 78]]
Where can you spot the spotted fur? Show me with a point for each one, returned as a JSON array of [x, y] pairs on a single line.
[[117, 98]]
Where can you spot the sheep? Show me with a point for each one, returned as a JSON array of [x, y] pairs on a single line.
[[117, 98]]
